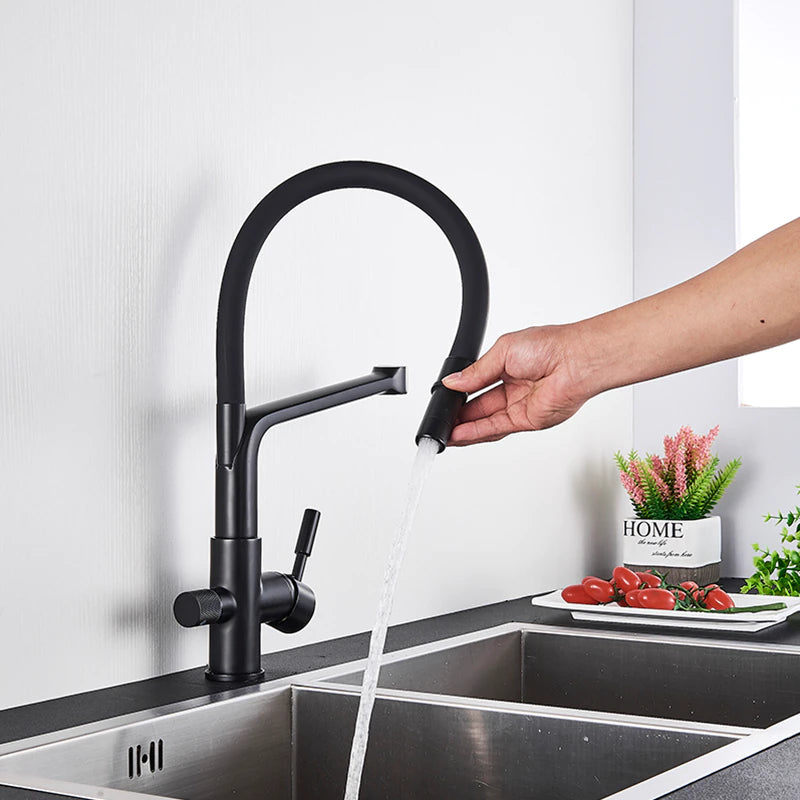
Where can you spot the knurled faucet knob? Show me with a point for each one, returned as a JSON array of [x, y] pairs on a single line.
[[203, 607]]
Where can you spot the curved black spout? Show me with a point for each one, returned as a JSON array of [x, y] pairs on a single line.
[[325, 178]]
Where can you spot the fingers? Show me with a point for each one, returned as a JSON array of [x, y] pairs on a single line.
[[484, 405], [485, 429], [488, 369]]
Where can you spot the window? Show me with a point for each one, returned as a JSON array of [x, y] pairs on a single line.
[[768, 167]]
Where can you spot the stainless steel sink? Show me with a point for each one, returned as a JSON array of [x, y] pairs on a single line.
[[723, 682], [497, 714]]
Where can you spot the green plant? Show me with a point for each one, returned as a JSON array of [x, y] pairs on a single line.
[[778, 572], [686, 483]]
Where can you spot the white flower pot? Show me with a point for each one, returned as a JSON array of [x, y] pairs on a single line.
[[688, 549]]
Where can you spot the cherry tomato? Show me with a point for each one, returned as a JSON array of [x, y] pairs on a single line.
[[718, 599], [590, 578], [598, 589], [679, 594], [653, 581], [656, 598], [577, 594], [690, 586], [702, 592], [626, 579], [632, 598]]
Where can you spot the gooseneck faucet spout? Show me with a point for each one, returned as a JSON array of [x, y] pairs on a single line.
[[241, 597]]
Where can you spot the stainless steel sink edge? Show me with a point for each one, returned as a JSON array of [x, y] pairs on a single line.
[[68, 789], [705, 765], [528, 709], [137, 717], [593, 633]]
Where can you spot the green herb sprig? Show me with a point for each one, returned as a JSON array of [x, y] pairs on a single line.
[[778, 571]]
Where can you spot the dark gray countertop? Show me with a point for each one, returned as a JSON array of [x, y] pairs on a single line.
[[773, 773]]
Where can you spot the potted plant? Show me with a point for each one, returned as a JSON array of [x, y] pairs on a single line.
[[672, 496]]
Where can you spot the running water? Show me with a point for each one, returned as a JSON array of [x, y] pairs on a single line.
[[428, 448]]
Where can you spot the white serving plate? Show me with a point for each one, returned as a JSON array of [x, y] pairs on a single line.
[[744, 622]]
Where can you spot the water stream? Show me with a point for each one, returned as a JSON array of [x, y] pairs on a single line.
[[428, 448]]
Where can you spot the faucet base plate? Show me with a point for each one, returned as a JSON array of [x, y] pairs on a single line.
[[224, 677]]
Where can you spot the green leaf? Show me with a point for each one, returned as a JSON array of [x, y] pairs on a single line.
[[654, 503], [720, 483]]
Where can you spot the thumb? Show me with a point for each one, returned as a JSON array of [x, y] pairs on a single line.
[[488, 369]]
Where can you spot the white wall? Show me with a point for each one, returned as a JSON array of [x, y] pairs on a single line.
[[684, 222], [136, 138]]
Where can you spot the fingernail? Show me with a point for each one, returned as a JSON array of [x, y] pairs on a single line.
[[453, 376]]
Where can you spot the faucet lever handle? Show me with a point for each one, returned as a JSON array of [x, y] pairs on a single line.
[[305, 541]]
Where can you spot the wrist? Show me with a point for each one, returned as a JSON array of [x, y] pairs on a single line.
[[599, 357]]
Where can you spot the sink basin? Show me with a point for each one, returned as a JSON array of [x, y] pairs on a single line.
[[517, 711], [712, 681], [293, 743]]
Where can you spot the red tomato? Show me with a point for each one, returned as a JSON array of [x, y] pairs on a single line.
[[627, 580], [690, 586], [632, 598], [590, 578], [653, 581], [679, 594], [656, 598], [702, 592], [598, 589], [718, 599], [577, 594]]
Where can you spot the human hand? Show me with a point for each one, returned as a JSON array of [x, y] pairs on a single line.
[[541, 385]]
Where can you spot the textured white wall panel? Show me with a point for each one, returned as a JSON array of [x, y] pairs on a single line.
[[135, 139]]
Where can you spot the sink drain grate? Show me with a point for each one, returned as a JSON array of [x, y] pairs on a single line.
[[148, 757]]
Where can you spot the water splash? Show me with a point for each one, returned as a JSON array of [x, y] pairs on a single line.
[[428, 448]]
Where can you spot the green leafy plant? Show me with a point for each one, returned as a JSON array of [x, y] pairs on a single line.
[[686, 483], [778, 571]]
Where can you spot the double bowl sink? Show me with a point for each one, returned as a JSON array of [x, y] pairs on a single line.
[[516, 711]]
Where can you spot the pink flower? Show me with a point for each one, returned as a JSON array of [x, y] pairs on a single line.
[[680, 478], [661, 485], [670, 449], [632, 488], [658, 465], [702, 454], [633, 483]]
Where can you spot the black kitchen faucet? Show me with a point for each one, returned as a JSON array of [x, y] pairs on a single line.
[[241, 597]]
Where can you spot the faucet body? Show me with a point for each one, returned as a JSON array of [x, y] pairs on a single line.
[[242, 597]]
